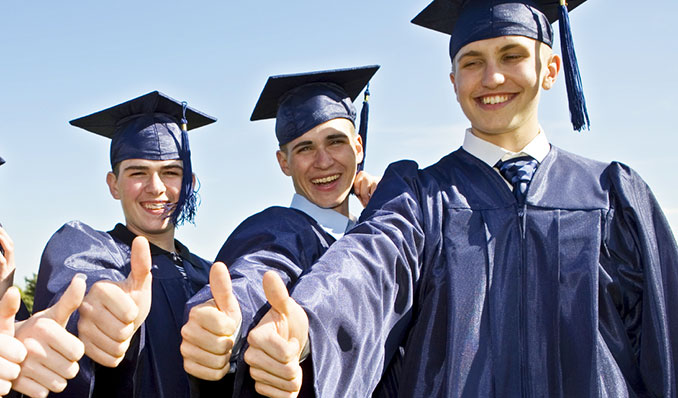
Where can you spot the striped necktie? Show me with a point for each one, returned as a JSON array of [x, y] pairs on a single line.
[[518, 171]]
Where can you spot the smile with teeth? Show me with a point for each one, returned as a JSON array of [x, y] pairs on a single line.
[[326, 180], [494, 99], [156, 205]]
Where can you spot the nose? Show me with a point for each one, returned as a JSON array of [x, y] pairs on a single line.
[[323, 159], [155, 185], [492, 76]]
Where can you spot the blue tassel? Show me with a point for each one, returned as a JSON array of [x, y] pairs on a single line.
[[575, 91], [364, 115], [187, 203]]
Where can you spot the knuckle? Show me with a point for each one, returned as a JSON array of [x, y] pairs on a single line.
[[72, 370], [289, 371], [57, 385], [259, 388]]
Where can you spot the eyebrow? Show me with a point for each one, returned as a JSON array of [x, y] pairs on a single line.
[[135, 167], [144, 168], [302, 143], [511, 47], [474, 53], [335, 136]]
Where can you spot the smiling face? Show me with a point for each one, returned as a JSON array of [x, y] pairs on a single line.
[[498, 82], [146, 188], [323, 163]]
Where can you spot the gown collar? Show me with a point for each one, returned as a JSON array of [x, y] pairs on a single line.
[[126, 236]]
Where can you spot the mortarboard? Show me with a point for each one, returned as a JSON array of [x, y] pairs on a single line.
[[472, 20], [152, 126], [2, 161], [302, 101]]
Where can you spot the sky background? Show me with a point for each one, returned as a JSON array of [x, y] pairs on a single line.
[[61, 60]]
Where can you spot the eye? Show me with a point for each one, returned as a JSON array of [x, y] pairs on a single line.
[[303, 149], [474, 63], [513, 57]]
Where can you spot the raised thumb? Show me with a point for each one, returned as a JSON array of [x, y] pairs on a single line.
[[139, 277], [276, 293], [222, 291], [9, 305], [69, 301]]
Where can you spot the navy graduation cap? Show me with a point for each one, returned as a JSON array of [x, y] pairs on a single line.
[[472, 20], [153, 127], [2, 161], [301, 101]]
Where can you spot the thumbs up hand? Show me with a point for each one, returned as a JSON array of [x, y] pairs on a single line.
[[12, 351], [208, 336], [276, 343], [52, 352], [112, 312]]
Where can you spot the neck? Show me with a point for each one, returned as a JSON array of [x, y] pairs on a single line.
[[342, 208], [164, 240], [513, 141]]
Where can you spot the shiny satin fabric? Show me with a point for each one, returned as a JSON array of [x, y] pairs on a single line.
[[572, 294], [153, 366]]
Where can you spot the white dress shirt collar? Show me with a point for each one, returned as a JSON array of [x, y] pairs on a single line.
[[489, 153], [333, 222]]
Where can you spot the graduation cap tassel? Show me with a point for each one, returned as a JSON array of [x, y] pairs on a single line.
[[575, 91], [187, 203], [364, 115]]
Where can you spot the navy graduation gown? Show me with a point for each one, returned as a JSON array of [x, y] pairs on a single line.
[[279, 238], [153, 365], [573, 294]]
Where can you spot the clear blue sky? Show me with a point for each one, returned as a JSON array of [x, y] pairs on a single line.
[[61, 60]]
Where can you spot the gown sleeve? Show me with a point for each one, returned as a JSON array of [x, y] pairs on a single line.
[[639, 317], [77, 248], [359, 297]]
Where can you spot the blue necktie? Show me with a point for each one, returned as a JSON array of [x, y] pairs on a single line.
[[518, 171]]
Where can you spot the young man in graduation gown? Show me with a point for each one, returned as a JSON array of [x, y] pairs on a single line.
[[562, 285], [131, 317], [322, 152]]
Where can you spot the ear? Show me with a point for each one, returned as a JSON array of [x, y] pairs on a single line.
[[454, 84], [360, 153], [112, 182], [193, 181], [282, 161], [552, 68]]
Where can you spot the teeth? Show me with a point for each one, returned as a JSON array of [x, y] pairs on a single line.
[[325, 180], [495, 99], [154, 206]]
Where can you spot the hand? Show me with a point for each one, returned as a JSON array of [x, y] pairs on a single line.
[[112, 312], [12, 351], [53, 353], [208, 336], [7, 266], [276, 343], [364, 186]]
